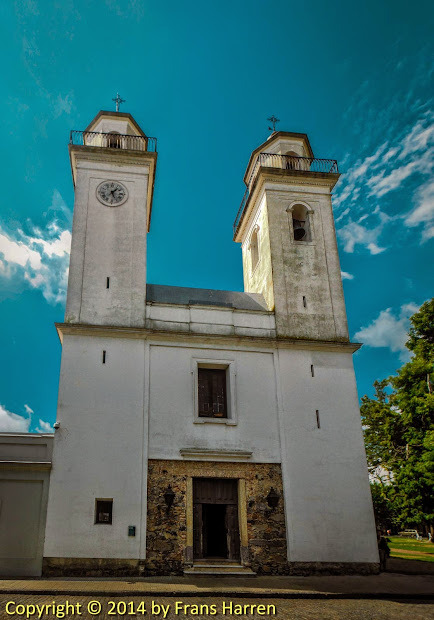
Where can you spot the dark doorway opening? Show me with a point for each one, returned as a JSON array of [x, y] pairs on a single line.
[[214, 531], [215, 519]]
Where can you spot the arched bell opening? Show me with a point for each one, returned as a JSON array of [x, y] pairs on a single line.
[[114, 140], [292, 161], [300, 223]]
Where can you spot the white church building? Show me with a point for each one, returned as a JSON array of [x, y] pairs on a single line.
[[204, 431]]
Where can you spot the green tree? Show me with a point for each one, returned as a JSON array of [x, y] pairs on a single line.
[[383, 499], [399, 428]]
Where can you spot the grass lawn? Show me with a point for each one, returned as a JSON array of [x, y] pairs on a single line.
[[410, 549]]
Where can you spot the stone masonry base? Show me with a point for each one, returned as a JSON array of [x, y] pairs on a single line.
[[333, 568], [90, 567], [111, 567], [168, 531]]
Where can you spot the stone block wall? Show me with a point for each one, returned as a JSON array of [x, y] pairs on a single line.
[[167, 530]]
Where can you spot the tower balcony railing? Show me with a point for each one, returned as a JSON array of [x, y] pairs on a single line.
[[290, 163], [113, 141]]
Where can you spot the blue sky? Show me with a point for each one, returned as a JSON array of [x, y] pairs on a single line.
[[203, 77]]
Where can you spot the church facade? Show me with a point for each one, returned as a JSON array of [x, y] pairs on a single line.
[[203, 431]]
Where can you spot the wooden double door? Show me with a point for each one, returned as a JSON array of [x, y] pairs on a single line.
[[215, 519]]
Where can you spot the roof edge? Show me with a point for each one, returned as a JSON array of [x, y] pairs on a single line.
[[119, 115]]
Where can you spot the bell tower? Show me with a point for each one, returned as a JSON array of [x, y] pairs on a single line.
[[286, 228], [113, 168]]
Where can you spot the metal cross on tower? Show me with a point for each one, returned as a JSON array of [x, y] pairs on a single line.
[[273, 120], [118, 100]]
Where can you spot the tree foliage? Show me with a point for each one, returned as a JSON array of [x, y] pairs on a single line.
[[398, 426]]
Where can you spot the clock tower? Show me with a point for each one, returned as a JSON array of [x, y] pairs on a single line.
[[113, 168]]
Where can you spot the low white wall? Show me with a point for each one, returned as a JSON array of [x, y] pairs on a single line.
[[25, 461], [203, 320]]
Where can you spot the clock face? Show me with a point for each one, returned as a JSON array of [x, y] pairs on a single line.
[[112, 193]]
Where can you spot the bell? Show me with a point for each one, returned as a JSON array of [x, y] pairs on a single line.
[[299, 229]]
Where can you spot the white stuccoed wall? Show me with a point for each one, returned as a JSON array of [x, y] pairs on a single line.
[[140, 405], [171, 416], [99, 449], [108, 242], [327, 495]]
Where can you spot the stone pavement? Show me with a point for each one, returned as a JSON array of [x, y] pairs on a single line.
[[384, 586]]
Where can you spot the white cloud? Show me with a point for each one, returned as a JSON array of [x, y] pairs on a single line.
[[12, 422], [62, 105], [19, 252], [354, 234], [44, 427], [423, 213], [347, 276], [15, 423], [393, 163], [383, 183], [428, 233], [418, 139], [387, 181], [54, 247], [40, 259], [389, 330]]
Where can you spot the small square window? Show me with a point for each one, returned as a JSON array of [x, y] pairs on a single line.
[[104, 511], [212, 393]]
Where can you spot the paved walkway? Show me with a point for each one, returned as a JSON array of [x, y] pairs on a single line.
[[384, 586]]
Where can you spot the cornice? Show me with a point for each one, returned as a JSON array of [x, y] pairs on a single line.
[[207, 454], [257, 342], [208, 307], [122, 156], [25, 466]]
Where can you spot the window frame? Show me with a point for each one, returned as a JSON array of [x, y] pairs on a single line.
[[215, 364], [213, 372], [103, 499]]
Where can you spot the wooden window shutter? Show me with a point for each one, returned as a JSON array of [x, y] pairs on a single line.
[[212, 392]]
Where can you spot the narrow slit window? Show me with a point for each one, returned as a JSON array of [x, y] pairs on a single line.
[[312, 371], [304, 302], [108, 283], [318, 423], [104, 355]]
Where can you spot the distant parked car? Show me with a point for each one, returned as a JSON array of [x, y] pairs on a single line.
[[409, 533]]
